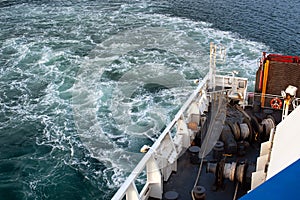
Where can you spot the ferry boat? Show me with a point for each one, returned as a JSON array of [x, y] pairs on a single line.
[[225, 142]]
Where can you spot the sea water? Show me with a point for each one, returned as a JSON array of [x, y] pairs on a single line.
[[85, 84]]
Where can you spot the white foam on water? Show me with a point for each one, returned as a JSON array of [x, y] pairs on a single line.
[[112, 103], [180, 37]]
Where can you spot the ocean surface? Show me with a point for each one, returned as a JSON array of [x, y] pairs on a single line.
[[84, 84]]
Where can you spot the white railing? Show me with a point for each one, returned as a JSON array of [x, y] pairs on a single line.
[[161, 158]]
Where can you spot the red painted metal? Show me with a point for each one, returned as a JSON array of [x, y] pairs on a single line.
[[282, 58]]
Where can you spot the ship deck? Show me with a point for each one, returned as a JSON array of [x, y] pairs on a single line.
[[184, 179]]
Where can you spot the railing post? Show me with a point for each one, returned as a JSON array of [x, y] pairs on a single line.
[[182, 129], [132, 193], [154, 178], [203, 102], [212, 66], [194, 113]]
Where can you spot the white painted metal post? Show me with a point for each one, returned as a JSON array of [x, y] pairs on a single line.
[[212, 66], [154, 178], [183, 130], [132, 193], [194, 113]]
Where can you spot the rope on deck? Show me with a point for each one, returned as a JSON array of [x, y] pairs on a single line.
[[218, 116]]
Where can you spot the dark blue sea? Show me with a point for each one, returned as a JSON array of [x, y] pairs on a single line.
[[84, 84]]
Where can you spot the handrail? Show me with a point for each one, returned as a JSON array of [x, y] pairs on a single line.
[[141, 165]]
